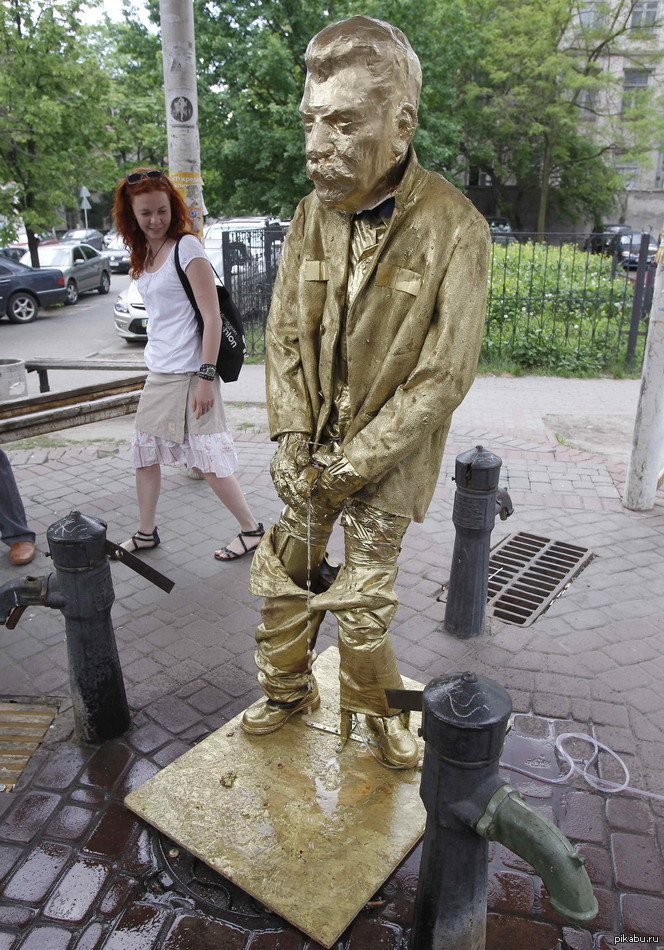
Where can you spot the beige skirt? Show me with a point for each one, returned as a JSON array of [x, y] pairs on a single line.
[[167, 431]]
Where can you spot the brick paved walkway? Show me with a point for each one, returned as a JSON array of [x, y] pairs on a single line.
[[81, 873]]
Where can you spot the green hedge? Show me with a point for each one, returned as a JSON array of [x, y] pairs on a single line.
[[556, 309]]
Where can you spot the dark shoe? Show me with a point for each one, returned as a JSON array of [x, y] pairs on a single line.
[[268, 716], [233, 555], [395, 740], [22, 552], [141, 541]]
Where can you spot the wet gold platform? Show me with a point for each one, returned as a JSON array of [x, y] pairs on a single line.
[[309, 832]]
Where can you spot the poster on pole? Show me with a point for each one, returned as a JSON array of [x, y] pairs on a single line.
[[190, 185]]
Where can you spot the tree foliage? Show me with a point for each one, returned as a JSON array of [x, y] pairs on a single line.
[[543, 111], [136, 92], [518, 89], [251, 67], [52, 116]]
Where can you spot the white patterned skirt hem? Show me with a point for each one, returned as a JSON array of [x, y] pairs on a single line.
[[208, 453]]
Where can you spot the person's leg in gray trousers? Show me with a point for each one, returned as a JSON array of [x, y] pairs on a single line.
[[13, 523]]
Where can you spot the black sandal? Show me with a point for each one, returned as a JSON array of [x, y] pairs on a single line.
[[141, 541], [233, 555]]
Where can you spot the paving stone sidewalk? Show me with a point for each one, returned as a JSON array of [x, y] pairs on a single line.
[[81, 873]]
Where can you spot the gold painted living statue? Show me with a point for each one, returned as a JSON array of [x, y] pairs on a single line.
[[372, 342]]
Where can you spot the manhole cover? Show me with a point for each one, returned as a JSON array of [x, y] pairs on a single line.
[[22, 728], [216, 894], [527, 573]]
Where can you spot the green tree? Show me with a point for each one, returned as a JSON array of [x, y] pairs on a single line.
[[542, 110], [252, 72], [251, 69], [136, 93], [53, 121]]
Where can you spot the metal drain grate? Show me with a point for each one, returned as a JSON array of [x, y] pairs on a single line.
[[22, 728], [527, 573]]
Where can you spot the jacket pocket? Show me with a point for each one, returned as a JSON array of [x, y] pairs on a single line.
[[398, 278], [315, 270]]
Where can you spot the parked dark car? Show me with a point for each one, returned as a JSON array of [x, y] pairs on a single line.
[[84, 236], [599, 240], [501, 230], [24, 289], [83, 266], [625, 247], [116, 253]]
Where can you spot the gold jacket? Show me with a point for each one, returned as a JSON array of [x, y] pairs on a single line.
[[413, 334]]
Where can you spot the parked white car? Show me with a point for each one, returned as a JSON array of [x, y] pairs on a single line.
[[130, 315]]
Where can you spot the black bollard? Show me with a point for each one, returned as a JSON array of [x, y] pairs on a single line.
[[476, 503], [85, 588], [464, 722]]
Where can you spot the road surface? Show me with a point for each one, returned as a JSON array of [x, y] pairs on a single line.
[[82, 331]]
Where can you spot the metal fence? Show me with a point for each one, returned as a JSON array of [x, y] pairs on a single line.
[[247, 263], [555, 304]]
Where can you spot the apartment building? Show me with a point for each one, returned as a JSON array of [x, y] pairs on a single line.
[[637, 62]]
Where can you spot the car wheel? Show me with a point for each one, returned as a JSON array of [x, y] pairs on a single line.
[[72, 292], [22, 307], [104, 283]]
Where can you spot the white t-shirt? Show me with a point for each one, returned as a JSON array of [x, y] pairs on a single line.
[[174, 340]]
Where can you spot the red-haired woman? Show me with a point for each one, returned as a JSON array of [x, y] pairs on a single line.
[[180, 417]]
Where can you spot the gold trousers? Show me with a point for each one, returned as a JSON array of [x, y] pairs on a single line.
[[361, 597]]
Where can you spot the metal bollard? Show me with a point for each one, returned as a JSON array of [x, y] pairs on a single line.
[[477, 500], [83, 579], [464, 723], [82, 588]]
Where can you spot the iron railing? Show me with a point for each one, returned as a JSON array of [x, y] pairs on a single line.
[[247, 263], [555, 303]]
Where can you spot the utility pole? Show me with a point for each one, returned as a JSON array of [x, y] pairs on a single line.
[[179, 57], [646, 465]]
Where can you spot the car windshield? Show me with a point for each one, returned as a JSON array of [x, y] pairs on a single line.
[[75, 235], [116, 243], [50, 256]]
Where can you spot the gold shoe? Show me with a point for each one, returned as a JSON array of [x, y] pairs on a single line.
[[268, 716], [395, 740]]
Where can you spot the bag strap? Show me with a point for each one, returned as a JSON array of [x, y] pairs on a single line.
[[184, 280]]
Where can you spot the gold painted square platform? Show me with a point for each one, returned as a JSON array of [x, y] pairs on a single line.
[[309, 832]]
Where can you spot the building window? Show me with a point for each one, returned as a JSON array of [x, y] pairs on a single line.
[[644, 15], [634, 82], [659, 174], [629, 172], [478, 178], [587, 103], [591, 14]]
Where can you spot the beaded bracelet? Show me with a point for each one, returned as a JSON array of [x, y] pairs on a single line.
[[207, 371]]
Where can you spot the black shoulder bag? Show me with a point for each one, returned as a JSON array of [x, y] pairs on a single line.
[[232, 349]]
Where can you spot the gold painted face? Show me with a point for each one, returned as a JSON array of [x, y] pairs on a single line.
[[355, 137]]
